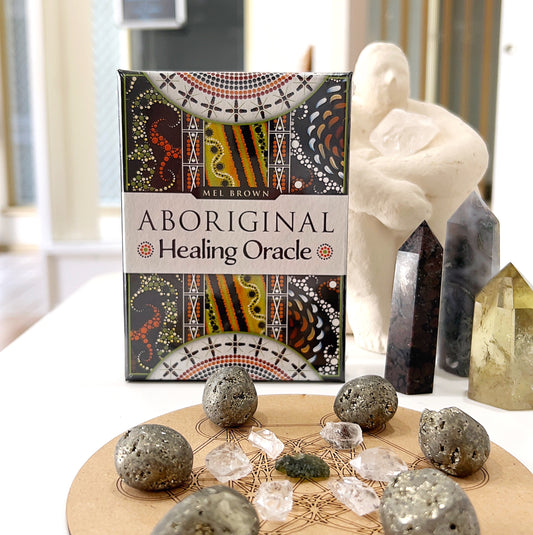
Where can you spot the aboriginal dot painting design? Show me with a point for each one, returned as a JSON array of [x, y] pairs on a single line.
[[263, 358], [155, 304], [314, 321], [279, 327], [234, 135], [273, 133], [235, 303], [224, 147], [236, 97]]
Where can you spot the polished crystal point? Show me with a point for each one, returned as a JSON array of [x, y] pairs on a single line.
[[412, 342], [471, 259], [378, 464], [267, 441], [228, 462], [342, 435], [356, 495], [501, 362], [273, 500], [402, 133]]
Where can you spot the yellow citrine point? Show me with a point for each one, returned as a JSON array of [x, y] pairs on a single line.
[[501, 359]]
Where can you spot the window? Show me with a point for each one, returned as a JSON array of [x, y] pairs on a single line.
[[106, 61], [18, 179]]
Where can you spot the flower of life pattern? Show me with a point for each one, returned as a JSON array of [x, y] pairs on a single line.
[[314, 504]]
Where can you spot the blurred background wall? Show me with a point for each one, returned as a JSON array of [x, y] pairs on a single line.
[[59, 141]]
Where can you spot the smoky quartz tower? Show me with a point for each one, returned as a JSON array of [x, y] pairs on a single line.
[[471, 259], [412, 344]]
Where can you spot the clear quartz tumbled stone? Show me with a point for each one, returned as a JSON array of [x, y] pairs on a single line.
[[267, 441], [273, 500], [378, 464], [342, 435], [356, 495], [228, 462], [402, 133]]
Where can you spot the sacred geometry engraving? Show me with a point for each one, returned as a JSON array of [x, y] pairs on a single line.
[[99, 502], [314, 504]]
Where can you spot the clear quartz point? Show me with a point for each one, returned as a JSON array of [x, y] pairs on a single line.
[[403, 133], [342, 435], [356, 495], [378, 464], [267, 441], [228, 462], [273, 500]]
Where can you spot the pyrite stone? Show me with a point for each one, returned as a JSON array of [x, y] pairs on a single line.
[[229, 398], [153, 457], [426, 502], [217, 509], [471, 258], [501, 361], [412, 343], [453, 441], [369, 401]]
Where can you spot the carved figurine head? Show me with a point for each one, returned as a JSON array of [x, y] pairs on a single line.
[[381, 77]]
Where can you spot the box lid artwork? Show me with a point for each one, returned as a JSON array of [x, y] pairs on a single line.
[[235, 209]]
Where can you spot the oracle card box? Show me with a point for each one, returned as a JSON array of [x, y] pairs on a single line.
[[235, 209]]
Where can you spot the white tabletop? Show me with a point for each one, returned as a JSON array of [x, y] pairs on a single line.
[[64, 396]]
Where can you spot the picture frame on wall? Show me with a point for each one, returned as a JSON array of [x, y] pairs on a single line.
[[151, 14]]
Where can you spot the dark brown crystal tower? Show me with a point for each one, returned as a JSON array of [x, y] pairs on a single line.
[[412, 343]]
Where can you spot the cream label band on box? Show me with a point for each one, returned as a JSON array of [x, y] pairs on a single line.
[[179, 233]]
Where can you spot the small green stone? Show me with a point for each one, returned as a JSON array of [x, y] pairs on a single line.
[[302, 465]]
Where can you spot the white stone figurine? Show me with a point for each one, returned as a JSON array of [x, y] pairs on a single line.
[[405, 180]]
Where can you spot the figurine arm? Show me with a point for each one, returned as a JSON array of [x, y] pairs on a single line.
[[453, 163], [398, 204]]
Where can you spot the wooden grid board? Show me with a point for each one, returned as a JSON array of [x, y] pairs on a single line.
[[99, 501]]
